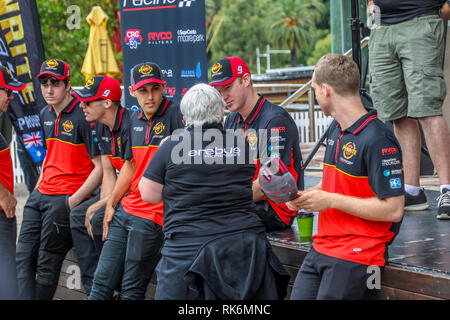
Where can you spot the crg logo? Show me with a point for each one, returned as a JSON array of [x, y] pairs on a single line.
[[133, 38]]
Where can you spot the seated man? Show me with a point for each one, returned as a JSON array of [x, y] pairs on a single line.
[[100, 101], [269, 129], [132, 229], [215, 244], [360, 199], [71, 172]]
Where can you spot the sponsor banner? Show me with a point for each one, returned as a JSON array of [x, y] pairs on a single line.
[[169, 32], [22, 52]]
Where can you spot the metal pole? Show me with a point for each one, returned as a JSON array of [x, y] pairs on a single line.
[[312, 132], [258, 61]]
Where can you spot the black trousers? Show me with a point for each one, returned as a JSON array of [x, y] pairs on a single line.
[[323, 277], [44, 241]]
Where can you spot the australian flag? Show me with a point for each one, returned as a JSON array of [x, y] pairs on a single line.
[[35, 146]]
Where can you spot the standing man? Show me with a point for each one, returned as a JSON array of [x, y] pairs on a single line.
[[71, 172], [100, 101], [8, 223], [260, 119], [133, 228], [406, 61], [360, 199]]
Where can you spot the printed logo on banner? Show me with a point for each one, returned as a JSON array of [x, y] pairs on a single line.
[[192, 73], [185, 3], [133, 38], [167, 73], [34, 144], [162, 37], [189, 36]]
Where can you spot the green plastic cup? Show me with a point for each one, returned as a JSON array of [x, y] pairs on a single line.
[[305, 226]]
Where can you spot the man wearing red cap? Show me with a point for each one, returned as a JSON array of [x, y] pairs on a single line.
[[8, 223], [133, 228], [100, 101], [70, 174], [269, 129]]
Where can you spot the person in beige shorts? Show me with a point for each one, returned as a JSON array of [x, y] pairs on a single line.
[[406, 52]]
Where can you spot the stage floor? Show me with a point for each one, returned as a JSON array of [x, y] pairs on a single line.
[[423, 243]]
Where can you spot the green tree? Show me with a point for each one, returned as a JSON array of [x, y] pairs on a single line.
[[241, 31], [321, 48], [292, 24], [67, 44]]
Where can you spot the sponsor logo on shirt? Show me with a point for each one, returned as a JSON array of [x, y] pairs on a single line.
[[389, 162], [159, 128], [138, 129], [395, 183], [349, 150], [252, 139], [388, 151], [215, 152], [67, 126]]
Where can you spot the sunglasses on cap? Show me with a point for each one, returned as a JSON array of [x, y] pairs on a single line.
[[53, 81], [8, 91]]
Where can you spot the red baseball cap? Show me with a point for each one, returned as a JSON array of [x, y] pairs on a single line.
[[99, 87], [8, 82], [226, 70], [55, 68]]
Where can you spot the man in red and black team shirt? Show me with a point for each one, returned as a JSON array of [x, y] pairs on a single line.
[[268, 128], [133, 228], [8, 223], [100, 101], [70, 173], [360, 199]]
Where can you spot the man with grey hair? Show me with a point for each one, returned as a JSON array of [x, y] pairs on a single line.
[[210, 224]]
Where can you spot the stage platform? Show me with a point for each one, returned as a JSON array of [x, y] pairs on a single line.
[[419, 264]]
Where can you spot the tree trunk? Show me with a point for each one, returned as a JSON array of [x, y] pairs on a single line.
[[293, 58]]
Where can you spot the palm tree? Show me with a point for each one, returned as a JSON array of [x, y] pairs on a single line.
[[292, 22]]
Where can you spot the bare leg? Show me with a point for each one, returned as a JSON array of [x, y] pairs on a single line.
[[437, 136], [408, 135]]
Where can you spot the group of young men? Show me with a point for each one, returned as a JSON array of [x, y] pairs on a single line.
[[88, 197]]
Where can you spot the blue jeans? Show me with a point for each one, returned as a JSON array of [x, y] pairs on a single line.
[[8, 275], [84, 246], [130, 252], [43, 244]]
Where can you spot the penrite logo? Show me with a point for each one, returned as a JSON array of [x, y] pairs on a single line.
[[67, 126], [51, 64], [133, 38], [163, 37], [349, 150]]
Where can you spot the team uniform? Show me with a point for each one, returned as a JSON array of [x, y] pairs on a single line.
[[45, 236], [132, 247], [210, 243], [279, 140], [362, 161], [111, 145]]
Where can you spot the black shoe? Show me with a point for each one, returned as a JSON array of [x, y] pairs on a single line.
[[444, 205], [416, 203]]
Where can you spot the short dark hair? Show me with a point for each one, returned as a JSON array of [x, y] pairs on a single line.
[[340, 72]]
